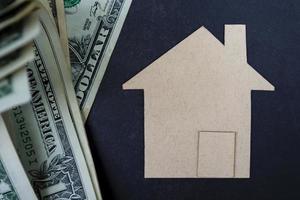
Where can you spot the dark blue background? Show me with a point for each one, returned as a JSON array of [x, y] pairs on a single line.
[[116, 123]]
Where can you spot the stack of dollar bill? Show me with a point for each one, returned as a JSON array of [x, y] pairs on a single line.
[[18, 27], [53, 55]]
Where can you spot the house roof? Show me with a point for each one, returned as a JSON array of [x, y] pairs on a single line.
[[201, 54]]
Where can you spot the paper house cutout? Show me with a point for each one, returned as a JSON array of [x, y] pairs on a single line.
[[198, 107]]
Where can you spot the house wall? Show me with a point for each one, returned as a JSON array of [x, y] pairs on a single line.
[[174, 118]]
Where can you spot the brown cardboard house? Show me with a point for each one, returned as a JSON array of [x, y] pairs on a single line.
[[198, 107]]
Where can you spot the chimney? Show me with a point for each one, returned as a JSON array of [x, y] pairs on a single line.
[[235, 42]]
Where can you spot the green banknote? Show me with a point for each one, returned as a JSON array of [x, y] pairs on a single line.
[[93, 29], [43, 130], [14, 184], [14, 90], [7, 189]]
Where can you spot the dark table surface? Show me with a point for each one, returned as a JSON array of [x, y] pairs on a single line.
[[115, 125]]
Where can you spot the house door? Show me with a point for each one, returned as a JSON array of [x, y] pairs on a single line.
[[216, 154]]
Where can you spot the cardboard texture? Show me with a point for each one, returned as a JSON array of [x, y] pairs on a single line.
[[198, 107], [210, 157]]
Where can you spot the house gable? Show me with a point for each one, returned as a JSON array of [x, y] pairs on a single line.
[[202, 53], [195, 50]]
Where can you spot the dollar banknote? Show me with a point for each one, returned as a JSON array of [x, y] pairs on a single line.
[[13, 62], [8, 5], [4, 4], [44, 131], [18, 14], [15, 51], [15, 37], [93, 29], [14, 90], [56, 7], [14, 183], [58, 12]]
